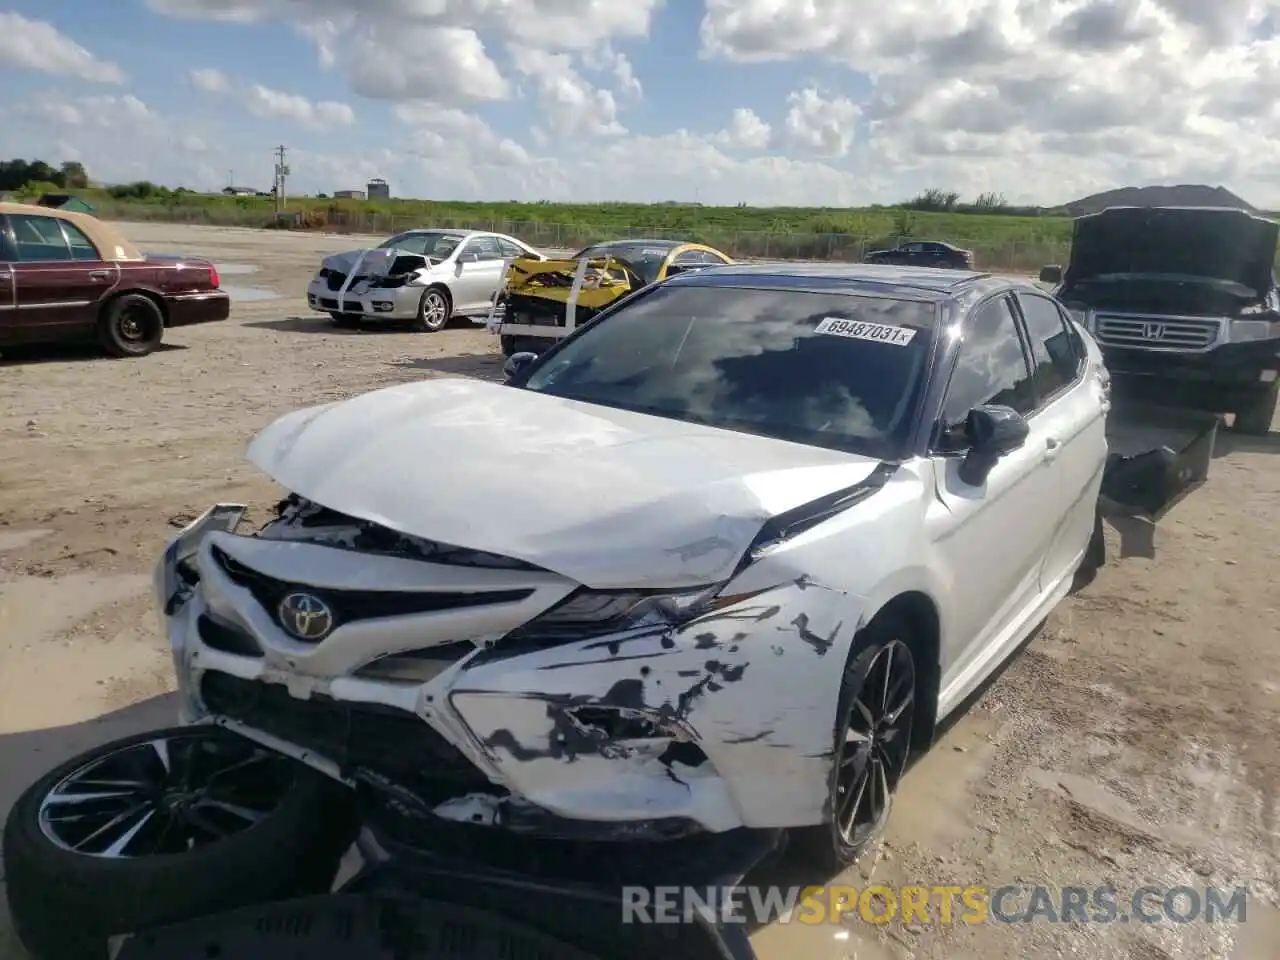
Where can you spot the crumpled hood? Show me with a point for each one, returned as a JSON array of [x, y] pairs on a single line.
[[1223, 244], [374, 262], [608, 498]]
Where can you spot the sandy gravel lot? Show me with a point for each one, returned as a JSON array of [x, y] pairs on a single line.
[[1133, 742]]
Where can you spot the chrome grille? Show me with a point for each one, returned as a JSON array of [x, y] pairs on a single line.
[[1170, 333]]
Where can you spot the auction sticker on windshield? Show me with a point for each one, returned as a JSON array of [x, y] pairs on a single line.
[[863, 330]]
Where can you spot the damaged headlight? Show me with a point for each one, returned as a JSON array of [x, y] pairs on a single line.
[[588, 612]]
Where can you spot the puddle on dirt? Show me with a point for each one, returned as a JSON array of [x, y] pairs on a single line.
[[929, 807], [250, 293], [17, 539], [236, 269]]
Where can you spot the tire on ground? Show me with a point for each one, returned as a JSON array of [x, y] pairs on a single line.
[[421, 323], [1255, 419], [820, 847], [131, 325], [65, 905]]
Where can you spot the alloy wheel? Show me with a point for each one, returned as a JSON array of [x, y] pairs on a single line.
[[435, 311], [169, 795], [876, 745]]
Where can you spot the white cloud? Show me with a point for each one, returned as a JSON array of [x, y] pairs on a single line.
[[1041, 101], [571, 106], [272, 104], [27, 44], [746, 131], [819, 125], [210, 80]]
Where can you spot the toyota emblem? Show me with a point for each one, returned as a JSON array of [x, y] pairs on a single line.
[[305, 616]]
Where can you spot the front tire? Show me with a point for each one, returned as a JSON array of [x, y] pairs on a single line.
[[164, 827], [434, 311], [873, 733], [130, 326], [1255, 419]]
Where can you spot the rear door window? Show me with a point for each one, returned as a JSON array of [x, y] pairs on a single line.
[[82, 248], [1053, 348]]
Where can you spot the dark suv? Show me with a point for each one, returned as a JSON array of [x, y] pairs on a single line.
[[1183, 302]]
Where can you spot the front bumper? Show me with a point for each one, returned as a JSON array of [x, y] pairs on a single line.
[[397, 303], [655, 732], [1228, 363]]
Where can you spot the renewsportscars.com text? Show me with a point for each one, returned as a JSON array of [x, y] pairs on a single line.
[[940, 904]]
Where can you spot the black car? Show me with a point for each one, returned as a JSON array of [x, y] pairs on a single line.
[[1184, 303], [923, 253]]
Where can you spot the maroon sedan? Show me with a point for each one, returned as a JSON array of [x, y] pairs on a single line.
[[67, 276]]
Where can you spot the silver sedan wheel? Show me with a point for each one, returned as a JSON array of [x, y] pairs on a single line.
[[433, 313], [164, 796]]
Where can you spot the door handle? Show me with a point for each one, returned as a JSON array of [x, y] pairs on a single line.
[[1052, 446], [99, 274]]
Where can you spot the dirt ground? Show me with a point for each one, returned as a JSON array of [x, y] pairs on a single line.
[[1132, 742]]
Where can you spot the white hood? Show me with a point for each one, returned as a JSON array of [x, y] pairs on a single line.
[[374, 262], [605, 497]]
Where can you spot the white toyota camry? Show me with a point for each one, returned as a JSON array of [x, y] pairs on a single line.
[[722, 558]]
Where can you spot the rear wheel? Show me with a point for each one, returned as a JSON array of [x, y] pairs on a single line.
[[1255, 418], [164, 827], [130, 326], [872, 746]]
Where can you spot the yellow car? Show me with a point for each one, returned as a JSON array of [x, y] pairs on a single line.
[[539, 294]]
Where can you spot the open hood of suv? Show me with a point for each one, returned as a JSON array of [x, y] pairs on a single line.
[[1220, 243]]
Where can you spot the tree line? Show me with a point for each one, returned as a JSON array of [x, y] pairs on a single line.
[[16, 174]]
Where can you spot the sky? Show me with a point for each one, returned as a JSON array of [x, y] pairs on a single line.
[[764, 102]]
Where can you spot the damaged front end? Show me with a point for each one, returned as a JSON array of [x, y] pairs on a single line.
[[543, 293], [564, 712]]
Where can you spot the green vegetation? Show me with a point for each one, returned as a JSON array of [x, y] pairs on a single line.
[[1002, 237]]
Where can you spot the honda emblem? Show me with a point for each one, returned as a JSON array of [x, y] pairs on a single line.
[[1153, 331]]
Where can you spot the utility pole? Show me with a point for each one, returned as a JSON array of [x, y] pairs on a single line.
[[282, 172]]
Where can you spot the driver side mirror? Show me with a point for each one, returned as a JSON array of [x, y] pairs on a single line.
[[1051, 273], [992, 431], [517, 364]]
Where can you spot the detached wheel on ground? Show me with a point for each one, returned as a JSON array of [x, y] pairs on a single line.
[[165, 827], [872, 746], [434, 310], [130, 326], [346, 321], [1255, 419]]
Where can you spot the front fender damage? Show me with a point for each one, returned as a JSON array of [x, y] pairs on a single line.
[[724, 722]]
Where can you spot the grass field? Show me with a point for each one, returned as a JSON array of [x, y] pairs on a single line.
[[1021, 242], [999, 241]]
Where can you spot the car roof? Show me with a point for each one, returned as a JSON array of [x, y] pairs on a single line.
[[916, 283], [664, 244], [111, 243]]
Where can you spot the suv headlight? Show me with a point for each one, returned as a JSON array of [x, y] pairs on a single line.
[[1244, 331], [1082, 316]]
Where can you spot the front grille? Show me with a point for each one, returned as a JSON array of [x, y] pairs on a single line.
[[336, 280], [352, 306], [1156, 332], [226, 638], [329, 302], [352, 605], [383, 739]]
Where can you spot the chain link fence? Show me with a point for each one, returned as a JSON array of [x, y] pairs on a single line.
[[1004, 254]]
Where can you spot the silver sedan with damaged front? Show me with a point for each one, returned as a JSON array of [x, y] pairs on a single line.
[[421, 277], [721, 559]]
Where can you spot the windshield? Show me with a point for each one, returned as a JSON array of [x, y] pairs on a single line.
[[826, 369], [645, 258], [428, 243]]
